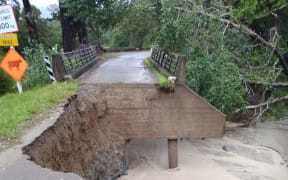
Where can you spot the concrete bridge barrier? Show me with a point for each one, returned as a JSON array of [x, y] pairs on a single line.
[[89, 137]]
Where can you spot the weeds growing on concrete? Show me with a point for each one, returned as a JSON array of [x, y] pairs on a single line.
[[165, 84]]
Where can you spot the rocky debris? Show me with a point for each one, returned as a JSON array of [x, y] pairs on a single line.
[[81, 141], [257, 154]]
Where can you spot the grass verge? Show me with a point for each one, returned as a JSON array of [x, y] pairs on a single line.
[[165, 84], [162, 78], [15, 108], [108, 55]]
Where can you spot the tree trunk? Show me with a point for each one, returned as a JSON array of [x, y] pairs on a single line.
[[70, 30], [82, 34], [34, 39], [66, 30]]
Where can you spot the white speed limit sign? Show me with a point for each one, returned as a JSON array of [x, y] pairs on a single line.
[[7, 19]]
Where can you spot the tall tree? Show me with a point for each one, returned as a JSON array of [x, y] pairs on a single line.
[[71, 28], [139, 27], [254, 9], [30, 21], [229, 63], [99, 15]]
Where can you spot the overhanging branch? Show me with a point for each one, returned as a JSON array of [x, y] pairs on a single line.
[[272, 101], [246, 30]]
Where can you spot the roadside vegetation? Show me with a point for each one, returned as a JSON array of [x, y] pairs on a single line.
[[16, 109], [108, 55], [164, 83], [37, 37], [237, 50], [161, 78]]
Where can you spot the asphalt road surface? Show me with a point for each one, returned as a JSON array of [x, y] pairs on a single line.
[[124, 68]]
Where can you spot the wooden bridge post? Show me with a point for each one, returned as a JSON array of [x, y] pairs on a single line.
[[173, 153], [58, 67], [181, 69]]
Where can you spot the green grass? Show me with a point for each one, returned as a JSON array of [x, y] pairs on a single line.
[[161, 78], [15, 108], [108, 55], [165, 84]]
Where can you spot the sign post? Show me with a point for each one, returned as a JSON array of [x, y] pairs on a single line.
[[12, 63], [19, 87]]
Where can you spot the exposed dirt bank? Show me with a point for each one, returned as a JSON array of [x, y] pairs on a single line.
[[80, 141]]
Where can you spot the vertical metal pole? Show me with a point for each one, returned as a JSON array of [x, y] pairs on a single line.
[[19, 87], [172, 153], [18, 83]]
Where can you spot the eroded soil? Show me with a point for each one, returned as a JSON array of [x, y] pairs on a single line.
[[80, 141]]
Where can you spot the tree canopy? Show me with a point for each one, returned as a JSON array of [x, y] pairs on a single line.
[[237, 50], [254, 9]]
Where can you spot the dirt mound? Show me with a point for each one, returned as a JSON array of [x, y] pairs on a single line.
[[81, 141]]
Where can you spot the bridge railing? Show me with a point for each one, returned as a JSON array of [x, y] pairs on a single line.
[[74, 63], [170, 64]]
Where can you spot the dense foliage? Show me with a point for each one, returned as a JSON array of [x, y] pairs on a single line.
[[223, 59], [254, 9], [99, 15], [229, 63], [228, 66], [49, 31], [137, 29], [6, 82], [36, 75], [140, 25]]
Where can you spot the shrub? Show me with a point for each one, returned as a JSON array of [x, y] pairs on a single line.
[[6, 83], [216, 79], [36, 75]]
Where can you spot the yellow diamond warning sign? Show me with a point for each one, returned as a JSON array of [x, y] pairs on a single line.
[[14, 64]]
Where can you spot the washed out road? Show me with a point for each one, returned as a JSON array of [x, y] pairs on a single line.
[[252, 153], [16, 166], [125, 68]]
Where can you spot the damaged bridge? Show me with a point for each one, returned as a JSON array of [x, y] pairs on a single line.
[[90, 136]]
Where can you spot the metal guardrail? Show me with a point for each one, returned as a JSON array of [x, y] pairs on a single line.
[[76, 62], [167, 61], [78, 58]]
